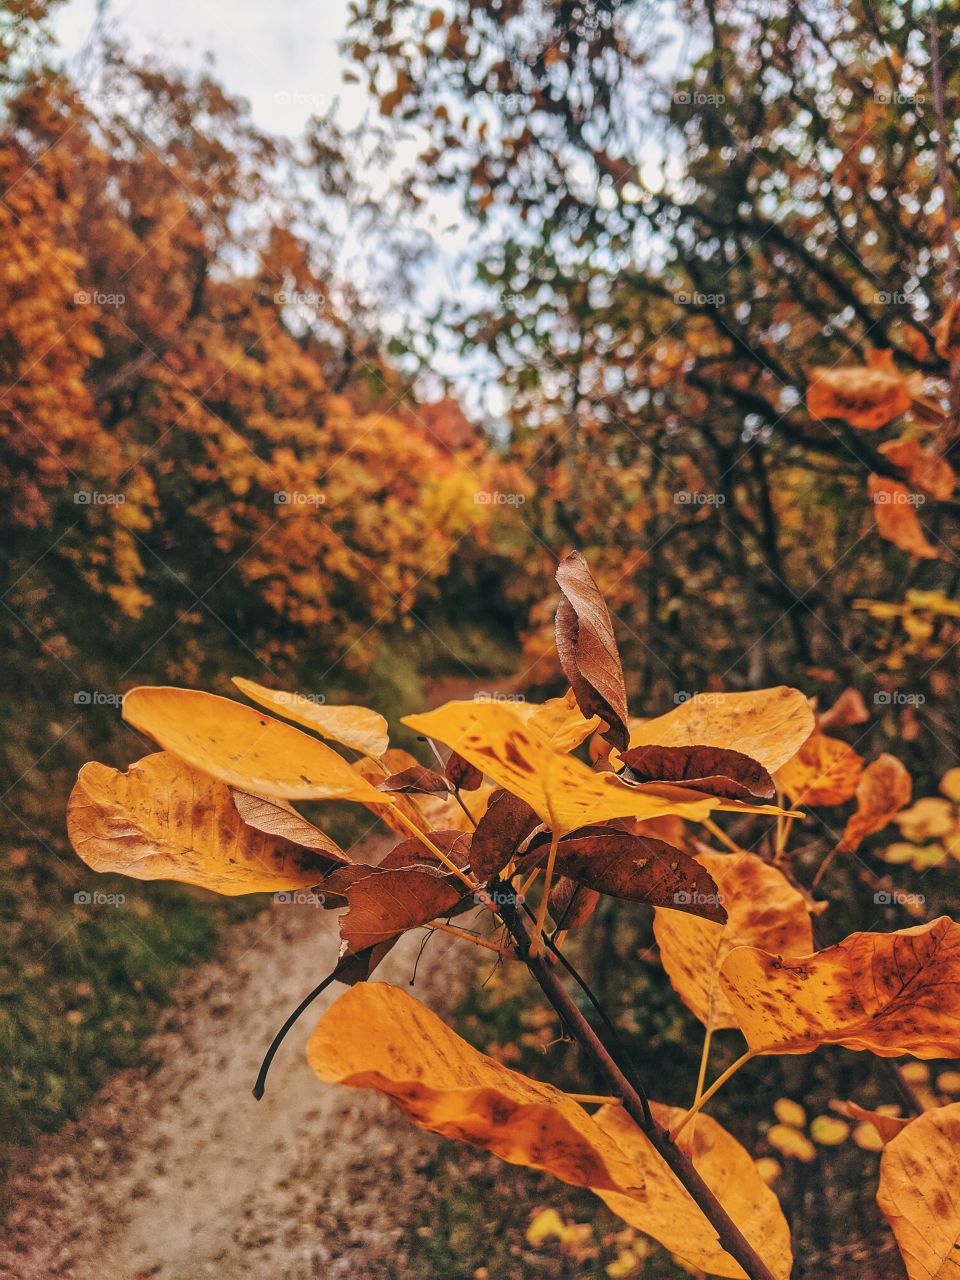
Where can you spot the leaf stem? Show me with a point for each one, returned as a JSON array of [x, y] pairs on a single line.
[[472, 937], [720, 1081], [719, 834], [437, 853], [545, 897]]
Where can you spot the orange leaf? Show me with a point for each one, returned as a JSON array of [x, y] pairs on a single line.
[[588, 649], [356, 727], [887, 1126], [377, 1037], [896, 515], [163, 820], [824, 771], [926, 470], [884, 789], [763, 909], [919, 1174], [864, 397], [891, 993], [242, 747], [768, 725]]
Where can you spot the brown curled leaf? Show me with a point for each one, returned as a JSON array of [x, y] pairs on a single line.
[[572, 904], [461, 774], [588, 649], [500, 832], [416, 780], [720, 771]]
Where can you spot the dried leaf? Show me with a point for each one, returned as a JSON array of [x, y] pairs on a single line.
[[762, 908], [947, 332], [461, 774], [864, 397], [891, 993], [500, 832], [277, 818], [769, 725], [640, 869], [588, 649], [897, 519], [886, 1125], [884, 789], [572, 904], [564, 792], [416, 780], [378, 1037], [824, 771], [719, 771], [164, 820], [389, 901], [242, 747], [356, 727], [919, 1173]]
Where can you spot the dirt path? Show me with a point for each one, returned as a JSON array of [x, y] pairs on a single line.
[[175, 1172]]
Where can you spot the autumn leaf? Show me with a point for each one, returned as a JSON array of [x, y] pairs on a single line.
[[719, 771], [883, 790], [416, 780], [559, 720], [461, 774], [769, 725], [925, 469], [947, 332], [919, 1174], [558, 787], [357, 727], [502, 829], [164, 820], [640, 869], [762, 909], [277, 818], [588, 649], [864, 397], [897, 520], [891, 993], [825, 771], [849, 709], [389, 901], [377, 1037], [572, 904], [886, 1125], [242, 747]]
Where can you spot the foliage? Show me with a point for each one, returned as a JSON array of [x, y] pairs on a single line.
[[735, 928]]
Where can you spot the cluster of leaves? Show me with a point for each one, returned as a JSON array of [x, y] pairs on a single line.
[[512, 804]]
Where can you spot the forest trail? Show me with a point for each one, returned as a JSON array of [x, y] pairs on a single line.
[[175, 1172]]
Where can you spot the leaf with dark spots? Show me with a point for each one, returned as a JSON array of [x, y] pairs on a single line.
[[417, 780], [500, 832], [891, 993], [720, 771], [461, 774], [455, 844], [919, 1170], [640, 869], [572, 904], [588, 649]]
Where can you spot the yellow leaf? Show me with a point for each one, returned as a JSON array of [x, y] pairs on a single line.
[[163, 820], [828, 1131], [790, 1142], [919, 1174], [564, 792], [376, 1036], [769, 725], [824, 771], [762, 908], [356, 727], [789, 1112], [243, 747], [559, 720], [884, 788], [891, 993]]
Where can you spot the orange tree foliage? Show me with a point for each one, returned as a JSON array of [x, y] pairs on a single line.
[[734, 925], [682, 252]]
